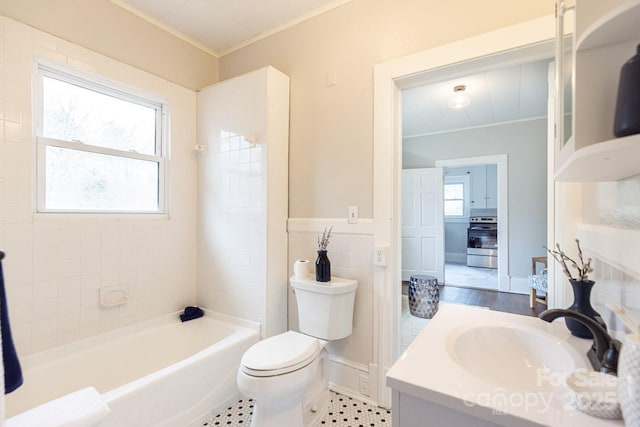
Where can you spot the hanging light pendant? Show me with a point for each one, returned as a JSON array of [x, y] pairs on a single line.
[[460, 98]]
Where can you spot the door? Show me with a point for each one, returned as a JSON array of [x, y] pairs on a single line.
[[422, 223]]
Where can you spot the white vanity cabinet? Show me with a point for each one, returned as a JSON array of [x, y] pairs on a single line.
[[607, 34]]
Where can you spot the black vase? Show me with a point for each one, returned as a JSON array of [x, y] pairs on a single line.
[[582, 304], [323, 267], [627, 119]]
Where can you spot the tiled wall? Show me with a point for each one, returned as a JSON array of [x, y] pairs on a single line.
[[614, 286], [56, 263], [232, 242], [350, 256], [242, 242], [609, 231]]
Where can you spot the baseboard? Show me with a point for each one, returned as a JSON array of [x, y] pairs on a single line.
[[455, 257], [351, 379], [349, 393], [519, 285]]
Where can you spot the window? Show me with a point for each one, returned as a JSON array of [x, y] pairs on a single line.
[[99, 147], [456, 190]]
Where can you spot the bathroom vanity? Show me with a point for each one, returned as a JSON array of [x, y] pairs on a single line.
[[473, 366]]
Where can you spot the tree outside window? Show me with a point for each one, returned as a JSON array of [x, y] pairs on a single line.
[[100, 148]]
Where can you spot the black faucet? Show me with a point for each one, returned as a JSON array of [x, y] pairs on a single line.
[[603, 354]]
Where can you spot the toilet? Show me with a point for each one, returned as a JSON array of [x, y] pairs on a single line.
[[287, 375]]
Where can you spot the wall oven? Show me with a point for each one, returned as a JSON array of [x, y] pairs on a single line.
[[482, 242]]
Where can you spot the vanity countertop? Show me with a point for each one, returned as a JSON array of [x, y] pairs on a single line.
[[435, 368]]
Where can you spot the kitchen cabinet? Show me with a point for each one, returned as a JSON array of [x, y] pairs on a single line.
[[484, 186], [606, 36]]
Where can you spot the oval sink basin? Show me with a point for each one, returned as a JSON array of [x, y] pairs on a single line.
[[514, 357]]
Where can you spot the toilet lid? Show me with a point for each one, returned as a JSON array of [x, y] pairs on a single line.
[[280, 354]]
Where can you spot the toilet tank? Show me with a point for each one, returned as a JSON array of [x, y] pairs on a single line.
[[325, 309]]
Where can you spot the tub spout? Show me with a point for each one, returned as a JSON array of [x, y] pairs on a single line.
[[603, 354]]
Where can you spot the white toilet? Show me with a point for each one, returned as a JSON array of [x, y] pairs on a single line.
[[287, 375]]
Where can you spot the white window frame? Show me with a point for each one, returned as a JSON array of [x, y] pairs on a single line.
[[108, 87], [466, 209]]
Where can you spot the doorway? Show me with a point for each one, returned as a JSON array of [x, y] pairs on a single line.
[[532, 39], [471, 227], [459, 282], [484, 262]]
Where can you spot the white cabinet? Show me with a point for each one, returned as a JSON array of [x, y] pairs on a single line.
[[484, 186], [478, 187], [492, 186], [606, 36]]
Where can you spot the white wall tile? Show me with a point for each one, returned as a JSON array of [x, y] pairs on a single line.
[[44, 309], [350, 256], [614, 286], [56, 263], [43, 329], [232, 268], [69, 286]]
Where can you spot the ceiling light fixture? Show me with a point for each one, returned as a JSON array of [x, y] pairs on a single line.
[[460, 98]]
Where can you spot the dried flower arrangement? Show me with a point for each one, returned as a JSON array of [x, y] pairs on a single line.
[[324, 241], [583, 268]]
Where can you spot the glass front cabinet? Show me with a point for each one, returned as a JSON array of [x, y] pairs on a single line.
[[594, 40]]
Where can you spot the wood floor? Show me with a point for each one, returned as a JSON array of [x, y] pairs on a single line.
[[494, 300]]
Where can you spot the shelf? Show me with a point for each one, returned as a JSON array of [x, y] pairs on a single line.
[[611, 160], [621, 24]]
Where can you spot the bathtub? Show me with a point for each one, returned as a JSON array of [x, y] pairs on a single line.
[[162, 373]]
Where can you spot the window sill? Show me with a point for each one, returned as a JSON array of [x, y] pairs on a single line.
[[77, 216]]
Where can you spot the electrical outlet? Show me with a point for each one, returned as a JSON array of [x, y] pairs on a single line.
[[380, 256], [352, 217]]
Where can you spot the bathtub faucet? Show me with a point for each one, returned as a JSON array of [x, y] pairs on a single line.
[[603, 354]]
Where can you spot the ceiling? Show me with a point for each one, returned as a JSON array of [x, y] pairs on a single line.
[[221, 26], [503, 95]]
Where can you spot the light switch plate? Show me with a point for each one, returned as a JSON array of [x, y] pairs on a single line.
[[352, 215]]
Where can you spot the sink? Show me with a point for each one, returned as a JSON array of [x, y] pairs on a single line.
[[514, 357], [472, 366]]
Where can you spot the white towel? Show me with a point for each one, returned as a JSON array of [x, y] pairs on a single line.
[[82, 408]]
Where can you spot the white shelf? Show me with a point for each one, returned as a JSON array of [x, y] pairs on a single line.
[[611, 160], [621, 24]]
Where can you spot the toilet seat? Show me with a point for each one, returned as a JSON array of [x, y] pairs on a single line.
[[280, 354]]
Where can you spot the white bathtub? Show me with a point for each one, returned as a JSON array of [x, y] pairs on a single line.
[[162, 373]]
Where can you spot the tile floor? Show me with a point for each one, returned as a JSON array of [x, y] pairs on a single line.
[[343, 411], [470, 277]]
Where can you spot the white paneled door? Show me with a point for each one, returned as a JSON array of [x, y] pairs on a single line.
[[422, 223]]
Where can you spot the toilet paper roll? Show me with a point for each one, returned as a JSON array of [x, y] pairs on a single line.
[[301, 268]]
